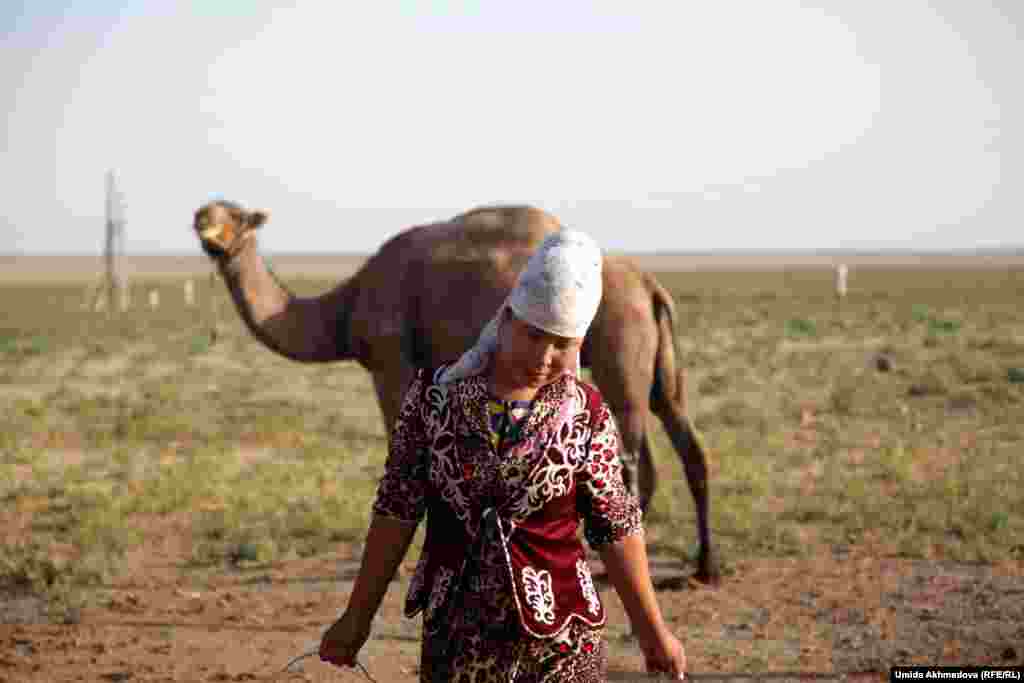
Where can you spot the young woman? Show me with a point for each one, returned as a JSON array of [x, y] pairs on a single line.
[[505, 452]]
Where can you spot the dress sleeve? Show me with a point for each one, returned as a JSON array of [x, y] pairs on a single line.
[[401, 493], [610, 512]]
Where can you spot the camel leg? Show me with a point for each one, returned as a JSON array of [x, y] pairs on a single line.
[[691, 453], [622, 355], [635, 453], [625, 393], [646, 473], [391, 386]]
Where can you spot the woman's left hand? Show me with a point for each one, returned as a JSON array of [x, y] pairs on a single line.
[[664, 653], [343, 640]]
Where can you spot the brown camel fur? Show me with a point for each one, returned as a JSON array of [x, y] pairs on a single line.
[[423, 298]]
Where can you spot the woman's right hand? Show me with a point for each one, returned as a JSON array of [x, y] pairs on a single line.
[[664, 653], [343, 640]]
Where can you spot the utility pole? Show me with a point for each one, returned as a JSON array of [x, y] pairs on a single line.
[[111, 291]]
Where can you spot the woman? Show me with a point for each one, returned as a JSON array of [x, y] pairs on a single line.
[[504, 452]]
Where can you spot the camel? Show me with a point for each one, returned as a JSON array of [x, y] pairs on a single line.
[[423, 298]]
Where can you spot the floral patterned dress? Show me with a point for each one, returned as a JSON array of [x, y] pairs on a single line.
[[504, 587]]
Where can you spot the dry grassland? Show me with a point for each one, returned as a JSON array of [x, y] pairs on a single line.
[[179, 507]]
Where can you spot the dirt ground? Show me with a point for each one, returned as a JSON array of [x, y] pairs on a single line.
[[835, 612], [846, 613]]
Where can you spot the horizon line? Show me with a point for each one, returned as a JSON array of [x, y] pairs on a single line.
[[718, 251]]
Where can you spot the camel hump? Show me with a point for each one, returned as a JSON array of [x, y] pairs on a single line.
[[499, 238], [495, 226]]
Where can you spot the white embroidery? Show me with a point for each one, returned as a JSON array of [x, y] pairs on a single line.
[[587, 584], [549, 481], [539, 595]]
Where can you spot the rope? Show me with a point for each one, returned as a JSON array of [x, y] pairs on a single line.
[[311, 653]]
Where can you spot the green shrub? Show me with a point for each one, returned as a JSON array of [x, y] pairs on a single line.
[[939, 326], [801, 327]]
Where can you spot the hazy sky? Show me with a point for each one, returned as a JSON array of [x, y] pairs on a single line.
[[652, 125]]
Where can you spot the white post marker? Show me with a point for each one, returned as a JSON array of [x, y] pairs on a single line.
[[842, 274], [154, 299], [190, 293]]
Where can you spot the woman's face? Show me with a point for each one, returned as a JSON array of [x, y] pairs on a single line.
[[531, 357]]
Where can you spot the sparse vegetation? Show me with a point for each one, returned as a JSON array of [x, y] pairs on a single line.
[[107, 421], [800, 327], [812, 399]]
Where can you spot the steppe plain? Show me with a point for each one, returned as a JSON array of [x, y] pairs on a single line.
[[179, 504]]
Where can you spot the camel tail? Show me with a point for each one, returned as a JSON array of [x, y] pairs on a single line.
[[669, 375], [669, 396]]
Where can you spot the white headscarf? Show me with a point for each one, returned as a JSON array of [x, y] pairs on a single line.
[[558, 291]]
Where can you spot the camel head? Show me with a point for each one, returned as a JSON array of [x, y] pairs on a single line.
[[223, 226]]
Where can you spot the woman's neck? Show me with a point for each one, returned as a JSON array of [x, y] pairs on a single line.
[[508, 391]]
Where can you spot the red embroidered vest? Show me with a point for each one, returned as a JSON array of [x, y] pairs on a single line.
[[543, 555]]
